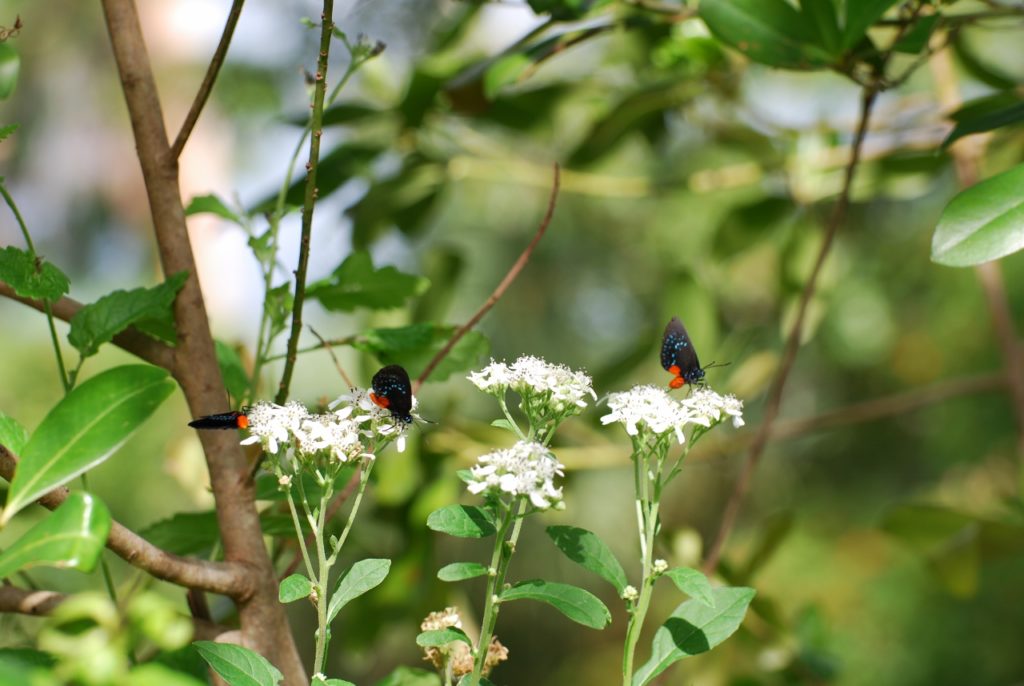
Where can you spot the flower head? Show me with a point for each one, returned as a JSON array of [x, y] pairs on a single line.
[[548, 390], [273, 425], [375, 421], [706, 407], [525, 469], [647, 410]]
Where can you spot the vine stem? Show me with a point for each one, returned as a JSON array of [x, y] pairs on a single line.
[[774, 401], [309, 200]]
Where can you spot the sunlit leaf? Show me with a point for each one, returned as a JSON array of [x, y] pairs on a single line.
[[13, 435], [457, 571], [72, 536], [579, 605], [587, 550], [294, 587], [213, 205], [982, 223], [693, 583], [506, 70], [149, 309], [440, 637], [695, 628], [31, 277], [362, 577], [237, 665], [463, 521], [85, 428]]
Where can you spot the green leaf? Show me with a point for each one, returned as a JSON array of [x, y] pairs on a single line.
[[505, 424], [771, 32], [462, 521], [31, 277], [985, 114], [345, 113], [587, 550], [564, 10], [458, 571], [6, 131], [237, 665], [693, 583], [916, 39], [402, 201], [231, 368], [71, 536], [441, 637], [360, 578], [410, 676], [13, 435], [860, 15], [213, 205], [575, 603], [294, 587], [10, 65], [415, 345], [185, 533], [279, 302], [982, 223], [695, 628], [505, 70], [355, 283], [317, 681], [821, 14], [85, 428], [150, 309]]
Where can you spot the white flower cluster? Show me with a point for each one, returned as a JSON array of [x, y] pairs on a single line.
[[341, 434], [525, 469], [561, 388], [652, 409]]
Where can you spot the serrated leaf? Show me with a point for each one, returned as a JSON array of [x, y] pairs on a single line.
[[294, 587], [462, 521], [13, 435], [31, 277], [441, 637], [10, 65], [693, 583], [150, 309], [85, 428], [362, 577], [72, 536], [982, 223], [459, 571], [237, 665], [771, 32], [410, 676], [587, 550], [355, 283], [213, 205], [579, 605], [185, 533], [695, 628], [415, 345], [232, 370]]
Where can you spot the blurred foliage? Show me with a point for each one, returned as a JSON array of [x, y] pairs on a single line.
[[696, 179]]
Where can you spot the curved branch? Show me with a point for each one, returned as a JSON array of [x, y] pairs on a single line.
[[211, 75], [502, 287], [131, 340], [232, 579], [774, 400]]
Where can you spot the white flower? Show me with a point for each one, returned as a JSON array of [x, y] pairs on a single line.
[[630, 593], [708, 407], [495, 377], [373, 419], [560, 388], [333, 433], [272, 425], [660, 566], [648, 408], [525, 469]]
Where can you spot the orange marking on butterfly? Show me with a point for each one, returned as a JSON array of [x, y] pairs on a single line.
[[675, 370], [677, 382], [242, 421], [379, 400]]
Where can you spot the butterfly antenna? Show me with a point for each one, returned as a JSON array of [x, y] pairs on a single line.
[[330, 351]]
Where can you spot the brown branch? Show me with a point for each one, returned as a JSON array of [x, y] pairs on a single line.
[[309, 198], [264, 623], [211, 75], [131, 340], [334, 358], [502, 287], [42, 603], [227, 578], [773, 403]]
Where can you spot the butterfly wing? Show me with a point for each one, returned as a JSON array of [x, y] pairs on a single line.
[[677, 351], [392, 384], [226, 420]]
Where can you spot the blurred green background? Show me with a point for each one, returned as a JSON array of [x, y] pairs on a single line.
[[695, 184]]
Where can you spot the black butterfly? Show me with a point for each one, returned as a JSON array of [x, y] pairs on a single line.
[[678, 356], [392, 391], [226, 420]]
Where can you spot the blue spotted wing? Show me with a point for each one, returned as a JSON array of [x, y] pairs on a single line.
[[678, 355], [393, 391]]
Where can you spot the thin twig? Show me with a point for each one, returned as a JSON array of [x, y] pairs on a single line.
[[773, 402], [502, 287], [203, 94], [309, 200], [330, 351]]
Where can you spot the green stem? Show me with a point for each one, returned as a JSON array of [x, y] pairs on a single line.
[[322, 581], [508, 416], [647, 512], [298, 532], [500, 559], [364, 478]]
